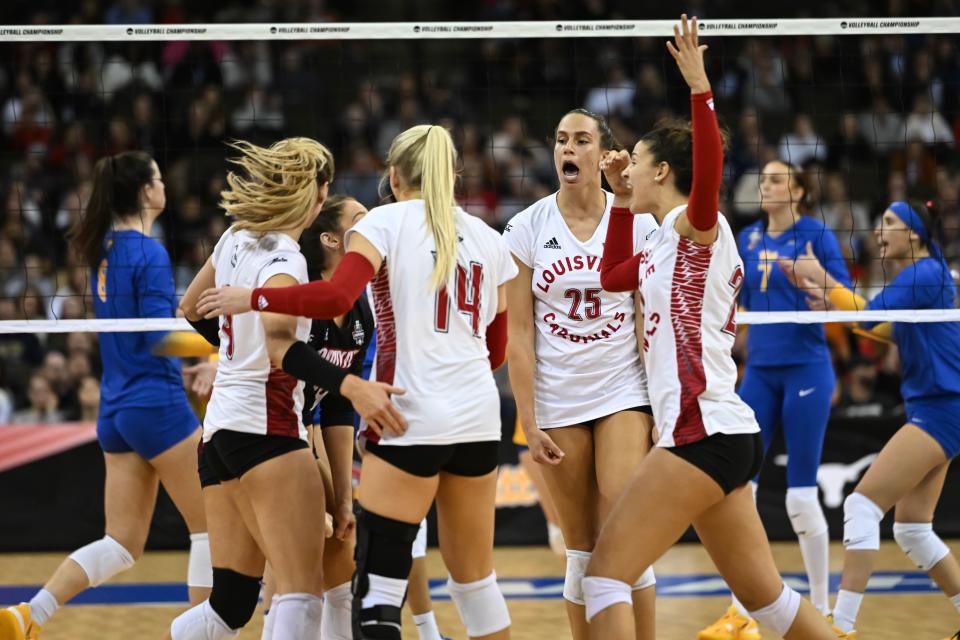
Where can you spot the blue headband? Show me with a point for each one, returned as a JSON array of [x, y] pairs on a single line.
[[910, 218]]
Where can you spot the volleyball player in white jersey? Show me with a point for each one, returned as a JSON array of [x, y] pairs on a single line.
[[438, 279], [572, 347], [709, 446], [265, 497]]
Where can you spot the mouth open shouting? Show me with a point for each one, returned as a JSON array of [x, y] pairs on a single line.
[[570, 171]]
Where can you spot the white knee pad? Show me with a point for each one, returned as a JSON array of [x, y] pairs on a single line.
[[420, 542], [806, 514], [577, 562], [201, 623], [920, 543], [780, 615], [199, 567], [861, 523], [647, 579], [602, 593], [103, 559], [481, 605]]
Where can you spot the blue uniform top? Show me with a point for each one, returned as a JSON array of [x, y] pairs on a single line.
[[135, 280], [929, 351], [766, 288]]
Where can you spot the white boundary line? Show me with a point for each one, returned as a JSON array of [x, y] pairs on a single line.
[[471, 30], [128, 325]]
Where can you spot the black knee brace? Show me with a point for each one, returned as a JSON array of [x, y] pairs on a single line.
[[384, 548], [234, 596]]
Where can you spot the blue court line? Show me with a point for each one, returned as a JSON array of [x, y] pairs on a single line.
[[544, 588]]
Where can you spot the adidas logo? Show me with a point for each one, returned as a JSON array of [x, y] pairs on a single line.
[[552, 244]]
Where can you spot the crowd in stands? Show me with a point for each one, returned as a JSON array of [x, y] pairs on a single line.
[[870, 119]]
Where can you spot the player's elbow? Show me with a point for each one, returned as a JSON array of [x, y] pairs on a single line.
[[610, 282], [277, 345]]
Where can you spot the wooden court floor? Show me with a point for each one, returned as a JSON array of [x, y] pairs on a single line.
[[919, 616]]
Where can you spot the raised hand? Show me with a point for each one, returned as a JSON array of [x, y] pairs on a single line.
[[688, 53], [613, 165]]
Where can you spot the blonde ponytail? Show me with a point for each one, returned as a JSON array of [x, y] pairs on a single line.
[[279, 185], [424, 157]]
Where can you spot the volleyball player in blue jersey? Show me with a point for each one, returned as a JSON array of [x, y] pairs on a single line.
[[909, 472], [146, 428], [789, 377]]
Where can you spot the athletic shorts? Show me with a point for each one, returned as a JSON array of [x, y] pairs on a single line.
[[148, 431], [471, 459], [520, 439], [731, 460], [230, 454], [940, 418], [207, 477]]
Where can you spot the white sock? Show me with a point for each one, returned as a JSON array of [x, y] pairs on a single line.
[[956, 602], [337, 606], [43, 606], [845, 613], [816, 559], [426, 626], [298, 616], [739, 605]]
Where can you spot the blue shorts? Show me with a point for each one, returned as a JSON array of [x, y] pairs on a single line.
[[939, 417], [148, 431]]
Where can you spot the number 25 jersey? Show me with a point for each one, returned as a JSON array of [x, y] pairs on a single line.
[[433, 343], [587, 361]]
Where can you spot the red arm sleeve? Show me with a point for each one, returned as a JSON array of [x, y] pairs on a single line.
[[619, 268], [497, 340], [707, 163], [321, 298]]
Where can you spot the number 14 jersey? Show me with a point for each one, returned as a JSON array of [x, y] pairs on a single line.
[[587, 361], [433, 343]]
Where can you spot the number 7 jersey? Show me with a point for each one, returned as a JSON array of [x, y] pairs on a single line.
[[433, 343], [689, 295], [588, 364]]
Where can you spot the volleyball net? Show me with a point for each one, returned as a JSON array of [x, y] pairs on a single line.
[[868, 107]]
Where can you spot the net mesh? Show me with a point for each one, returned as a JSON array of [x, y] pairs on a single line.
[[869, 108]]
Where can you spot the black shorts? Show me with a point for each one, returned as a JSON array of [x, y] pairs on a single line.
[[647, 409], [731, 460], [207, 477], [471, 459], [230, 454]]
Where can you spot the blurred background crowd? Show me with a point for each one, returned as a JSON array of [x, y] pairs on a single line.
[[870, 119]]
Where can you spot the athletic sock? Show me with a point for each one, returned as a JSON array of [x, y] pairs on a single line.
[[956, 602], [43, 606], [427, 626], [848, 606]]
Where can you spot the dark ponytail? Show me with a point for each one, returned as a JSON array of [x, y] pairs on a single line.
[[929, 214], [117, 181], [328, 221], [671, 141]]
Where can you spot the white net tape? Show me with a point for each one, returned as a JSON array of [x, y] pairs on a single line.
[[129, 325]]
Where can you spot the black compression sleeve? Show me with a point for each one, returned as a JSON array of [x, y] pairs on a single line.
[[209, 328], [303, 362]]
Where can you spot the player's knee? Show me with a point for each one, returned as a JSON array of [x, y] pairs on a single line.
[[103, 559], [780, 614], [200, 623], [199, 565], [602, 593], [577, 562], [805, 512], [481, 605], [920, 543], [861, 523], [383, 558], [234, 596]]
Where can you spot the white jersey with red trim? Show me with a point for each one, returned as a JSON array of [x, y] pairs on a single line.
[[689, 295], [249, 394], [587, 361], [433, 343]]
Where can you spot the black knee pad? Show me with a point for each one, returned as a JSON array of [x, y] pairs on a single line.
[[384, 548], [234, 596]]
